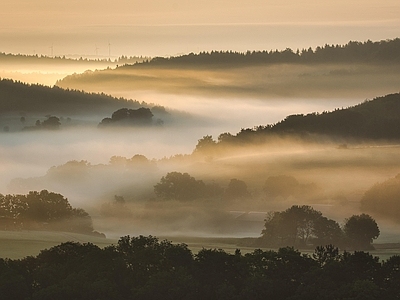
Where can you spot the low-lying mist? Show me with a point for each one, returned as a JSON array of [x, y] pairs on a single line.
[[281, 80], [111, 172], [107, 175]]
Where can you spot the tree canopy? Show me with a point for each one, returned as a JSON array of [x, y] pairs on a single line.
[[179, 186], [126, 116], [302, 226], [361, 230], [205, 145], [293, 227], [51, 123], [43, 210]]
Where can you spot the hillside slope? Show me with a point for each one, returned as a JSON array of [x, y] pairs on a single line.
[[355, 70], [377, 119], [17, 97]]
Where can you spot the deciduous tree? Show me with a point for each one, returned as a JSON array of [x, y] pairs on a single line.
[[360, 231]]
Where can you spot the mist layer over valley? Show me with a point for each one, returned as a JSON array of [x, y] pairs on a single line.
[[330, 179], [200, 149], [354, 70], [112, 172], [222, 127]]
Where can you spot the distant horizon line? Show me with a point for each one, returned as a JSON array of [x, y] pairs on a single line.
[[94, 57]]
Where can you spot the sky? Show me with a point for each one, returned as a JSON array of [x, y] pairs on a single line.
[[162, 28]]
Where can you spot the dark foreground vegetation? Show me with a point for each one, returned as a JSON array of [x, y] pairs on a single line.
[[146, 268]]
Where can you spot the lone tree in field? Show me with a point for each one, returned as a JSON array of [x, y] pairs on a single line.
[[360, 231]]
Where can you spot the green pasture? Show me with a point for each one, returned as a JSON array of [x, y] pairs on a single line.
[[19, 244]]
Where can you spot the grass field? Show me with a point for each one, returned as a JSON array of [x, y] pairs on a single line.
[[19, 244]]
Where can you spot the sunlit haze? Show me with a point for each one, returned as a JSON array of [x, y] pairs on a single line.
[[168, 28], [194, 119]]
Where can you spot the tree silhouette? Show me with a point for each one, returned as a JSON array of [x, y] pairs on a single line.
[[361, 230], [125, 116], [43, 210], [205, 145], [147, 268], [51, 122], [300, 226], [179, 186]]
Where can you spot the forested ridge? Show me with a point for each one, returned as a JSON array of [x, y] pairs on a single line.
[[385, 51], [377, 119], [34, 98], [147, 268]]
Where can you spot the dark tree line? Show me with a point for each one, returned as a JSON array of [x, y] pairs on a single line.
[[146, 268], [43, 211], [385, 51], [180, 186], [183, 187], [43, 59], [302, 226]]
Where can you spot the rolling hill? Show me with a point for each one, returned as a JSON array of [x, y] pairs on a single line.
[[355, 70], [377, 119], [17, 97]]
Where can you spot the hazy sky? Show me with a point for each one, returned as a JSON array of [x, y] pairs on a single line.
[[159, 27]]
